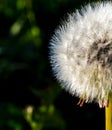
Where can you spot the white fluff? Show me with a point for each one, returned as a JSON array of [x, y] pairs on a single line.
[[81, 51]]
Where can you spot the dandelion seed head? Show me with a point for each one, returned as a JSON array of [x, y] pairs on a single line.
[[81, 52]]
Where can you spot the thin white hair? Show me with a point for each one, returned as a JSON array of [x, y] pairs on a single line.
[[81, 53]]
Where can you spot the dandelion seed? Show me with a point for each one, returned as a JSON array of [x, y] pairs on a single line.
[[81, 53]]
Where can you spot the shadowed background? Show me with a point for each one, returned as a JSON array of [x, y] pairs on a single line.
[[30, 97]]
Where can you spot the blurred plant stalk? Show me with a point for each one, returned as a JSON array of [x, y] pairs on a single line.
[[108, 115]]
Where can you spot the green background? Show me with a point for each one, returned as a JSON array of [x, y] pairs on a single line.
[[30, 97]]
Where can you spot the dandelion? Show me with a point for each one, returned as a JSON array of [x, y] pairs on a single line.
[[81, 53]]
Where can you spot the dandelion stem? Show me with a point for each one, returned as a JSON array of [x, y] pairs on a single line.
[[108, 115]]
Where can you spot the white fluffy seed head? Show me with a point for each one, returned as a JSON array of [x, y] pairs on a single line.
[[81, 52]]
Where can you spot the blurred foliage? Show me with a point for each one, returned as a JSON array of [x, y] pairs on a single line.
[[30, 98]]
